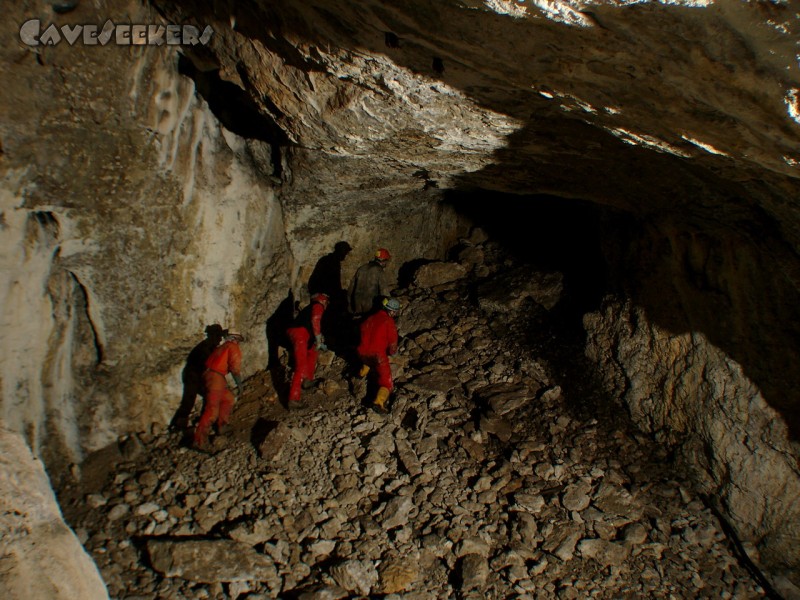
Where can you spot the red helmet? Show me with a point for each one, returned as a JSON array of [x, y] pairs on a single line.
[[321, 298], [383, 254]]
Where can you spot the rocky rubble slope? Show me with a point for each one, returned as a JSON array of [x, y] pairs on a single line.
[[486, 480]]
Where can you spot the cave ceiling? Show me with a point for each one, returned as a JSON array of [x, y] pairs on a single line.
[[655, 108]]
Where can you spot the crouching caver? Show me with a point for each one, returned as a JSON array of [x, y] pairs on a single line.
[[226, 358], [378, 343], [307, 340]]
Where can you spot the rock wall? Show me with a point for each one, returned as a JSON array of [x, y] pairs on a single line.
[[40, 557], [411, 224], [128, 212], [135, 211], [131, 219], [686, 345]]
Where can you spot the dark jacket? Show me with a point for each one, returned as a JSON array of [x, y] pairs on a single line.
[[368, 283]]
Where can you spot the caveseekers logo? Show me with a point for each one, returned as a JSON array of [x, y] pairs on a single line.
[[123, 34]]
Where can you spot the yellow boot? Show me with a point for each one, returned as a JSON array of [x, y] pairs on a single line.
[[380, 400], [364, 370]]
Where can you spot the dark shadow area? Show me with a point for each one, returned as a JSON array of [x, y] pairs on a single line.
[[347, 350], [276, 327], [192, 376], [260, 431], [369, 387], [405, 274], [139, 542], [550, 234], [391, 40], [326, 278], [410, 419], [455, 578], [236, 110], [559, 338]]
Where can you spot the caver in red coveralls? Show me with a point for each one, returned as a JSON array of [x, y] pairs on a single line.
[[378, 342], [306, 337], [226, 358]]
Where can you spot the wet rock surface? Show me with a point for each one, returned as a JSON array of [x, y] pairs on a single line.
[[486, 480]]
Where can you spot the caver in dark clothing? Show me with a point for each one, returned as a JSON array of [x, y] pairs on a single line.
[[327, 279], [369, 284]]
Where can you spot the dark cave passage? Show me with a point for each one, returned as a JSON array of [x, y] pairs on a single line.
[[549, 234], [687, 276]]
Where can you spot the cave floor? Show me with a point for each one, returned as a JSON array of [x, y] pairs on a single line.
[[490, 478]]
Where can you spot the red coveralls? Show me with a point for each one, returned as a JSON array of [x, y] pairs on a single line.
[[378, 342], [225, 359], [305, 355]]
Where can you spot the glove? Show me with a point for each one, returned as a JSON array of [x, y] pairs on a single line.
[[238, 380], [319, 342]]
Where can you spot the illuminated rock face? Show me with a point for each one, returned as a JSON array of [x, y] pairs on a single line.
[[40, 557], [121, 216], [132, 220], [146, 195], [644, 106]]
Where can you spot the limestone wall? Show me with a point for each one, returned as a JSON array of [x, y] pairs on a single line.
[[687, 345], [40, 557], [131, 220]]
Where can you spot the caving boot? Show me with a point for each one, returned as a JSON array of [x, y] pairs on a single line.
[[379, 404]]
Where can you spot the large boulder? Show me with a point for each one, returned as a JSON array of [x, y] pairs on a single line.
[[438, 273], [40, 556]]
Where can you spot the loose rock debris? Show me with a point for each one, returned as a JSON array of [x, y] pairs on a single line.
[[480, 483]]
